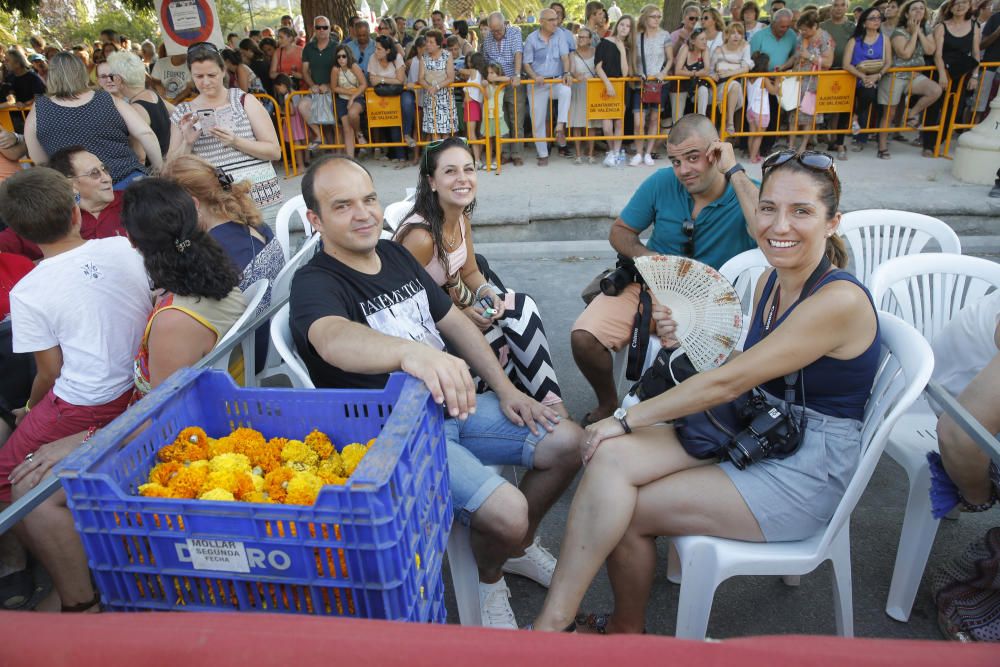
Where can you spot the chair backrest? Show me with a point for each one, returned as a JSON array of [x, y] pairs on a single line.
[[927, 291], [281, 338], [743, 271], [875, 236], [283, 281], [393, 215], [905, 367], [292, 212], [253, 295]]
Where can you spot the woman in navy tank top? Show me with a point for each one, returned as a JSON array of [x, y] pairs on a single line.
[[643, 484]]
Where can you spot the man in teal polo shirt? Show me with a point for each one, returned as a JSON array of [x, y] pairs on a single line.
[[701, 207], [317, 62], [778, 42]]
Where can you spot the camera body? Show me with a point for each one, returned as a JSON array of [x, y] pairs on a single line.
[[771, 433], [624, 275]]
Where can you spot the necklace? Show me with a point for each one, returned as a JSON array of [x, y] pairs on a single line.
[[450, 244]]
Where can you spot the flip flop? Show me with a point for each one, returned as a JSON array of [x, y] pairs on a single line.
[[561, 138]]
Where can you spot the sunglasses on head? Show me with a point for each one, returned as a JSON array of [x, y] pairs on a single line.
[[435, 145], [813, 160]]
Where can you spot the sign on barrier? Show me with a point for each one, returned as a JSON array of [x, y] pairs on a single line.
[[835, 93], [600, 105], [383, 111]]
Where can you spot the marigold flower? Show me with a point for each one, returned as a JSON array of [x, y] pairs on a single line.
[[369, 444], [183, 452], [296, 451], [258, 482], [258, 497], [162, 472], [217, 494], [320, 443], [332, 467], [351, 455], [303, 489], [193, 435], [154, 490], [230, 462], [277, 483], [221, 446], [187, 483]]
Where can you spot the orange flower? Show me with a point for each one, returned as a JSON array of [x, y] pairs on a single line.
[[221, 446], [277, 483], [187, 482], [320, 443], [193, 435], [162, 472]]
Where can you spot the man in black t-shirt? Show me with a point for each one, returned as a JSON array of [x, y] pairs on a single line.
[[363, 308]]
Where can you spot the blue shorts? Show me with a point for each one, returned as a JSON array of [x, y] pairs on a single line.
[[485, 439]]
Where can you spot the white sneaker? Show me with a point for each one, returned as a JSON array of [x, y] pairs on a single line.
[[536, 564], [647, 160], [636, 160], [609, 160], [494, 606]]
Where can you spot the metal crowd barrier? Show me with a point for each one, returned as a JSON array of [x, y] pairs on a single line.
[[600, 107], [279, 124], [956, 97], [389, 117], [50, 484], [7, 114], [836, 96]]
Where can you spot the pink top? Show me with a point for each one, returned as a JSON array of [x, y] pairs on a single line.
[[456, 258]]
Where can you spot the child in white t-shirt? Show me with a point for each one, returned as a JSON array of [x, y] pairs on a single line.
[[476, 73]]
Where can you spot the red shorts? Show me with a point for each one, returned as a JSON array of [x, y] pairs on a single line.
[[50, 420], [473, 111]]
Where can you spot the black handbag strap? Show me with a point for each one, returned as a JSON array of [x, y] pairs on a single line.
[[642, 51], [640, 337]]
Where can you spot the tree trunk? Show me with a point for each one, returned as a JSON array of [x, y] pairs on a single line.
[[671, 13], [338, 11]]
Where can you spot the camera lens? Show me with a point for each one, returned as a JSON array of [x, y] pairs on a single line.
[[616, 281]]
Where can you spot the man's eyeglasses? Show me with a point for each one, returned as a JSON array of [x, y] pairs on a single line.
[[814, 160], [95, 173], [688, 227]]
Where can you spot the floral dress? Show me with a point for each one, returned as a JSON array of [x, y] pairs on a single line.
[[440, 116]]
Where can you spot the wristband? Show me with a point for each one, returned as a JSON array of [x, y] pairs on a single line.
[[479, 291], [27, 406]]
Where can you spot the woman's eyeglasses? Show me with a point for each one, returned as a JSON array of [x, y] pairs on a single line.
[[341, 56], [814, 160], [321, 27], [95, 173], [106, 77]]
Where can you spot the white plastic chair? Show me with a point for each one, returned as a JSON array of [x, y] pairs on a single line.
[[253, 295], [393, 215], [281, 340], [926, 291], [706, 562], [874, 236], [287, 214], [274, 365]]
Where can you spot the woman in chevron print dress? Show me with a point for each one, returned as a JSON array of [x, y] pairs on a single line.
[[438, 232]]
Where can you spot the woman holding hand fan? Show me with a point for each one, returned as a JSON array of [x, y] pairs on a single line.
[[642, 482]]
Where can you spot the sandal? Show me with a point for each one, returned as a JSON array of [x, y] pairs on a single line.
[[16, 589], [569, 628], [578, 160], [561, 138], [841, 153], [593, 624], [884, 155], [591, 159], [913, 122], [83, 606]]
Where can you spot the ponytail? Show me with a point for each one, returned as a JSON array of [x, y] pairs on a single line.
[[836, 250]]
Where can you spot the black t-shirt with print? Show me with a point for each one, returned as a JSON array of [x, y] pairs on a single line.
[[400, 300]]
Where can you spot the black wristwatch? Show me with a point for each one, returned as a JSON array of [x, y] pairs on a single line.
[[733, 171], [619, 414]]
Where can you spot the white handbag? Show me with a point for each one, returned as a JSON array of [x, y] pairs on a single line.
[[789, 93]]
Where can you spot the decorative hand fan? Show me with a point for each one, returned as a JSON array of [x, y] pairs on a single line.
[[704, 304]]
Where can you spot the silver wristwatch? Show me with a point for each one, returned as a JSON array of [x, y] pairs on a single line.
[[619, 414]]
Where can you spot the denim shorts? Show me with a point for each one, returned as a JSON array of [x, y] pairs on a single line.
[[485, 439]]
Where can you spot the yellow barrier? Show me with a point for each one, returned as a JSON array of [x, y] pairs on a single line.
[[835, 93], [384, 112], [7, 122], [264, 97], [955, 98], [597, 109]]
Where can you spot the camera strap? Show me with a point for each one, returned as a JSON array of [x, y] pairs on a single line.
[[640, 336]]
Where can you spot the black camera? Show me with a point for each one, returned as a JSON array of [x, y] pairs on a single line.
[[624, 274], [772, 433]]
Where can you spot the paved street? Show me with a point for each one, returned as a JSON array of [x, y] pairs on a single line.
[[544, 230]]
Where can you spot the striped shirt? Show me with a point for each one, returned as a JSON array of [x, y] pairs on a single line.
[[502, 52]]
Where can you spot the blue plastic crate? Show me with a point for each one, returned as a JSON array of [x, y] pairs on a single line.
[[369, 549]]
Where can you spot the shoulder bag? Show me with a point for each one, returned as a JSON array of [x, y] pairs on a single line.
[[322, 109], [388, 89], [651, 90], [788, 94]]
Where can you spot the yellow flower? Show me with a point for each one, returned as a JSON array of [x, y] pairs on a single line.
[[201, 465], [297, 452], [162, 472], [351, 455], [216, 494], [230, 462], [258, 482], [303, 489], [221, 446], [258, 497], [369, 444], [332, 468], [320, 443], [154, 490]]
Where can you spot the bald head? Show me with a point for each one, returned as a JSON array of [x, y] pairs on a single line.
[[549, 21], [692, 125]]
